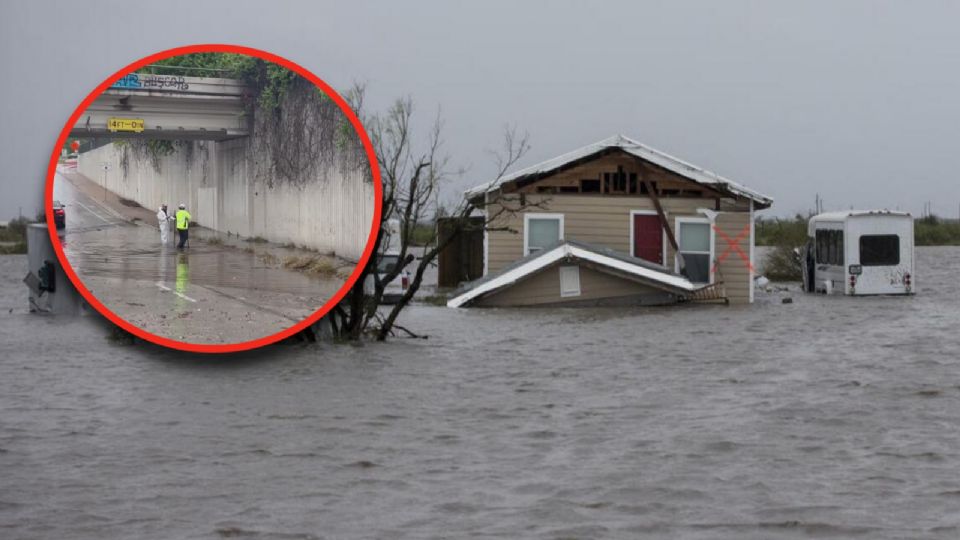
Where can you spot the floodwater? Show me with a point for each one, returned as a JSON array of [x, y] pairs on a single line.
[[828, 417], [135, 250], [219, 290], [209, 293]]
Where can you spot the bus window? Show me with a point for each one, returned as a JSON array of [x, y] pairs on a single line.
[[821, 247], [829, 247], [880, 250], [839, 258]]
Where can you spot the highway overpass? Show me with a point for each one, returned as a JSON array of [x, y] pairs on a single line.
[[167, 107]]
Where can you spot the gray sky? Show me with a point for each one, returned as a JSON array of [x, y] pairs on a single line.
[[859, 101]]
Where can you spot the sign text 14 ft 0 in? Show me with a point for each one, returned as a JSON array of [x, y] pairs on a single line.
[[125, 124]]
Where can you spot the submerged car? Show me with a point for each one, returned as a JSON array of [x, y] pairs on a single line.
[[59, 215], [394, 289]]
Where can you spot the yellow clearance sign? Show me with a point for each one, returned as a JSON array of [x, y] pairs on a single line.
[[125, 124]]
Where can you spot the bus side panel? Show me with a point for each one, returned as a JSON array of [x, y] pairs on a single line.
[[881, 279]]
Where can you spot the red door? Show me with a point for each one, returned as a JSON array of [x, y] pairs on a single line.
[[647, 238]]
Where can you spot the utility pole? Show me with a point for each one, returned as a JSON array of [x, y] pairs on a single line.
[[106, 167]]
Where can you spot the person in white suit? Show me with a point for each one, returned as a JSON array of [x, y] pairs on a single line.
[[163, 221]]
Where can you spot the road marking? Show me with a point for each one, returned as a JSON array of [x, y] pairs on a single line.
[[178, 293], [88, 209], [104, 207]]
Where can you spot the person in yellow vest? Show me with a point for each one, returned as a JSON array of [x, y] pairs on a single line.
[[183, 225]]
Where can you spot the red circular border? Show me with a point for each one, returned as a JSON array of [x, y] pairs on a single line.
[[230, 347]]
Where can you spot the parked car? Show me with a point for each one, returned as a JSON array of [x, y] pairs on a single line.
[[59, 215], [394, 289]]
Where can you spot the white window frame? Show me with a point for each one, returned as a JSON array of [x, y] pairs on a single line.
[[486, 237], [526, 228], [663, 241], [573, 274], [713, 243], [753, 264]]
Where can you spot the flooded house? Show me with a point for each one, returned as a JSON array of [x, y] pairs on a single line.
[[614, 223]]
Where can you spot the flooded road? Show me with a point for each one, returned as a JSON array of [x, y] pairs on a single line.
[[824, 418], [216, 291]]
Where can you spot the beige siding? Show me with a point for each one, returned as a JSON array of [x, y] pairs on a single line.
[[733, 270], [595, 219], [605, 221], [544, 288]]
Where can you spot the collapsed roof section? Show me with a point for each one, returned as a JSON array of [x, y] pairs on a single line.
[[624, 266], [632, 147]]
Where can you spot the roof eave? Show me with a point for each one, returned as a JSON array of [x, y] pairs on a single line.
[[567, 250]]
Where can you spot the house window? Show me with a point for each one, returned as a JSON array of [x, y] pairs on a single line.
[[694, 238], [541, 231], [569, 281], [880, 250]]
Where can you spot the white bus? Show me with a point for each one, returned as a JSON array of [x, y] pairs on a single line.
[[860, 252]]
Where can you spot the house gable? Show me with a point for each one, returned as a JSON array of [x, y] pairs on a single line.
[[647, 157], [631, 276], [614, 173], [596, 288]]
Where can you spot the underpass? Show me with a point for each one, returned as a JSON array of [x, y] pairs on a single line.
[[167, 107], [232, 284], [194, 140], [219, 290]]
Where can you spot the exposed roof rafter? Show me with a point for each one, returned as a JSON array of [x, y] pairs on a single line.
[[632, 147]]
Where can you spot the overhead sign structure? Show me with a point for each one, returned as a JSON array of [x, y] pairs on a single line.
[[125, 124]]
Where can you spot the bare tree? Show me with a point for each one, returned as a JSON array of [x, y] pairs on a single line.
[[412, 174]]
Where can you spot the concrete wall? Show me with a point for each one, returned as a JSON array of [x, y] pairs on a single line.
[[225, 188]]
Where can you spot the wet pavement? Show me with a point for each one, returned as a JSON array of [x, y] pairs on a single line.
[[219, 290], [829, 417]]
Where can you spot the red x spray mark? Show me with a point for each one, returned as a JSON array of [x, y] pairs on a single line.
[[733, 246]]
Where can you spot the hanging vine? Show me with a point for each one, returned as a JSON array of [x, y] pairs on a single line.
[[149, 150], [304, 135]]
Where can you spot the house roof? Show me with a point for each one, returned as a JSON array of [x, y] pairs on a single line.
[[637, 149], [648, 272]]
